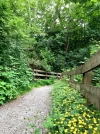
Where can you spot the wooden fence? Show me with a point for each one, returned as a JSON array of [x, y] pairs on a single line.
[[40, 74], [90, 92]]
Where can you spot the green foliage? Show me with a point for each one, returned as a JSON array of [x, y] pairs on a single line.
[[44, 82], [47, 59], [94, 47], [78, 78], [69, 113], [12, 79], [59, 34], [14, 70], [65, 37], [77, 57], [96, 77]]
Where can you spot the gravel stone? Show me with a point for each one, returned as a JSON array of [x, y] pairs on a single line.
[[31, 109]]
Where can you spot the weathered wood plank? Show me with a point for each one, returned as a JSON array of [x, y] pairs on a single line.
[[36, 70], [45, 75], [87, 78], [42, 75], [41, 71], [93, 62], [54, 73], [91, 93]]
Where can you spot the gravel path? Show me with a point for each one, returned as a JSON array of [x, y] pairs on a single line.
[[18, 116]]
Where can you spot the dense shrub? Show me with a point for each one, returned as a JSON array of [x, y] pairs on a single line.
[[15, 74]]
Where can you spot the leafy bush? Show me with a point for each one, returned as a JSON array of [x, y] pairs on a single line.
[[77, 57], [12, 81], [94, 47], [14, 70], [78, 78], [47, 58], [69, 114], [44, 82]]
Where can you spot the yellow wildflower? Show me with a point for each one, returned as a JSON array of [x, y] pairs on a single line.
[[90, 126], [95, 128], [66, 130], [74, 132], [72, 127], [61, 122], [86, 132]]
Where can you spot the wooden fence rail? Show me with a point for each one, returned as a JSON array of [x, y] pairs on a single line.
[[90, 92], [40, 74]]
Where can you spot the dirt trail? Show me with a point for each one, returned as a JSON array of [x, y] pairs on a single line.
[[18, 116]]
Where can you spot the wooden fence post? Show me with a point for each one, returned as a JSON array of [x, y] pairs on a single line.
[[90, 92], [71, 78], [87, 78]]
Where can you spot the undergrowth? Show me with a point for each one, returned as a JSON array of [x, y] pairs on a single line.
[[43, 82], [38, 83], [69, 114], [24, 90]]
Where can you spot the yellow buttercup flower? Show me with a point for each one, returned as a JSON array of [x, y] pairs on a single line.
[[66, 130], [61, 122], [58, 122], [69, 125], [94, 120], [62, 119], [66, 113], [90, 126], [74, 132], [74, 124], [95, 128], [86, 132], [97, 124], [72, 127]]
